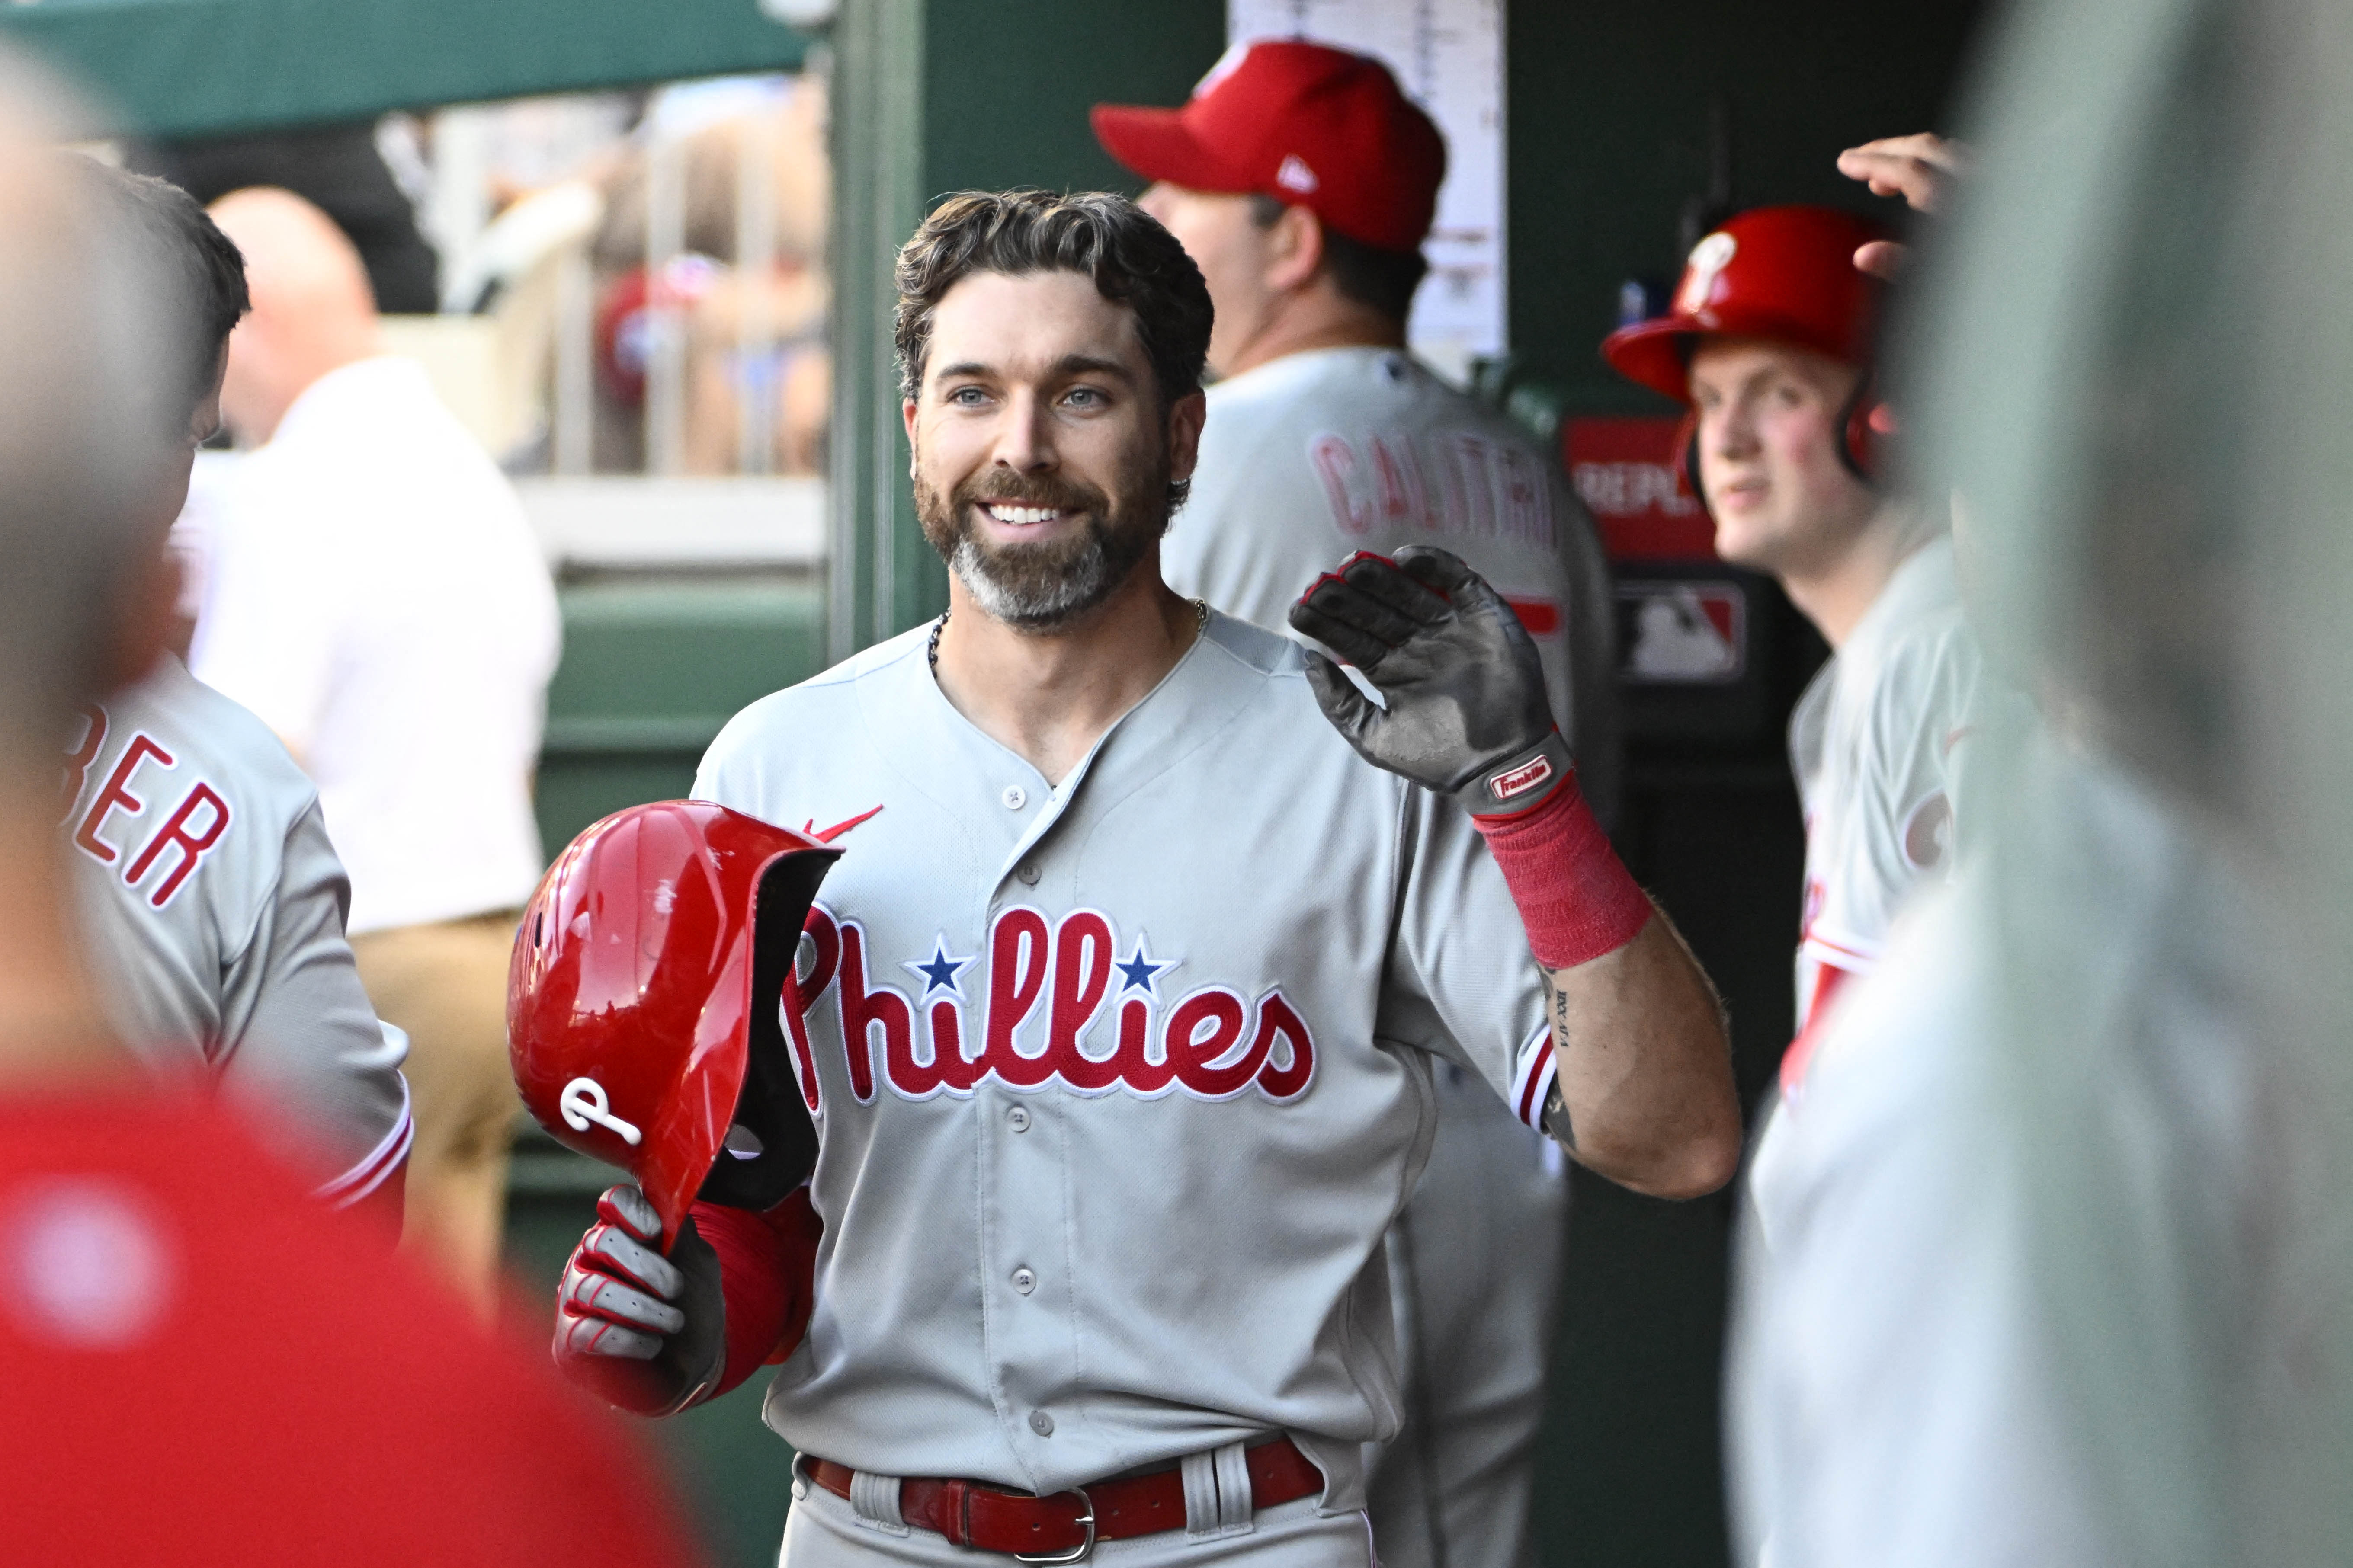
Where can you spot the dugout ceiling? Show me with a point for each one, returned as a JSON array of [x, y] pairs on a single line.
[[190, 68]]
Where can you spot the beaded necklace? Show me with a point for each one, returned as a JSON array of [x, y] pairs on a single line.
[[932, 648]]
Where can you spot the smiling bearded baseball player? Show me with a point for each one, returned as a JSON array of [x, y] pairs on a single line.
[[1120, 1010]]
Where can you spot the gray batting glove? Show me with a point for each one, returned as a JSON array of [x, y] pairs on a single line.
[[1467, 712], [640, 1330]]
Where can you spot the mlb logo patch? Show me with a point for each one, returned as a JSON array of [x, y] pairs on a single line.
[[1687, 634]]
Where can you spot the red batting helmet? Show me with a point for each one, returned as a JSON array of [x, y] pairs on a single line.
[[644, 1002], [1786, 274]]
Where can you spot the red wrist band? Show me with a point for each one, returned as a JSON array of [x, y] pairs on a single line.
[[1576, 897], [767, 1264]]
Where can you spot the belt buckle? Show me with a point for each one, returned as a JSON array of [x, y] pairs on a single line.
[[1078, 1553]]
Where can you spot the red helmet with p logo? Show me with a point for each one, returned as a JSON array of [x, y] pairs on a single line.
[[648, 996], [1783, 274]]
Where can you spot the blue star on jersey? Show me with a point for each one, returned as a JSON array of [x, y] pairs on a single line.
[[1141, 968], [940, 973]]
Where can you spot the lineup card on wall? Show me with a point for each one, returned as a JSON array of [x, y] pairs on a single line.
[[1448, 55]]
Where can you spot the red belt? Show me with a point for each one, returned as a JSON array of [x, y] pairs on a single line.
[[1064, 1528]]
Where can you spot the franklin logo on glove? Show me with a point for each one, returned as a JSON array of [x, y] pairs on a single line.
[[1514, 782]]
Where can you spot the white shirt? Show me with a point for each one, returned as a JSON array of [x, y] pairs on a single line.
[[1309, 458], [214, 907], [376, 598], [1059, 1242], [1873, 742]]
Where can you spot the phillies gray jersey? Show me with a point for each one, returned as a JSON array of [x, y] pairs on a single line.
[[1119, 1082], [1314, 455], [214, 906], [1874, 742]]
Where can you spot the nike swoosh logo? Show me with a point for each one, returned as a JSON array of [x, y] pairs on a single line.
[[837, 829]]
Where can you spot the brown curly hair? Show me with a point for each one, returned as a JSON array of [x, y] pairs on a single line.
[[1130, 258]]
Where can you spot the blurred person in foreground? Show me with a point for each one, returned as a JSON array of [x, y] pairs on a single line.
[[203, 1366], [1769, 342], [1302, 182], [212, 900], [376, 598], [2062, 1273]]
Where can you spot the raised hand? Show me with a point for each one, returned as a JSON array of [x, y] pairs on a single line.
[[1921, 168], [1466, 709]]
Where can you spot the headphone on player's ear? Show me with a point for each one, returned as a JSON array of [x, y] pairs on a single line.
[[1861, 420], [1859, 426]]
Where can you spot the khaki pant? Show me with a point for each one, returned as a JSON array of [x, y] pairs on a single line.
[[446, 984]]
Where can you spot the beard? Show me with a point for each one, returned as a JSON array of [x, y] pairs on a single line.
[[1041, 586]]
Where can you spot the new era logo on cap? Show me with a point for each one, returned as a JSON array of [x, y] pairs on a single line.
[[1295, 175]]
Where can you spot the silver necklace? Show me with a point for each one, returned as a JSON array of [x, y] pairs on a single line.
[[932, 648]]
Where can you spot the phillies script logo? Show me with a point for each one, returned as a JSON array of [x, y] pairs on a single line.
[[1052, 986]]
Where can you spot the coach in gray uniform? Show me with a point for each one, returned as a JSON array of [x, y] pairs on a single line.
[[1304, 183]]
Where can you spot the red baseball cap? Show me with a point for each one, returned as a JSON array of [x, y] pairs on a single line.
[[1305, 123]]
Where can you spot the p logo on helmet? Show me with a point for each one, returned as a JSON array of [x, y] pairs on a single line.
[[583, 1102], [1708, 259]]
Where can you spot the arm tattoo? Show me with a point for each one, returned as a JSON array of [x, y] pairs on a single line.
[[1555, 1109]]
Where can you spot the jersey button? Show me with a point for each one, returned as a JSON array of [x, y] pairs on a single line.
[[1015, 797], [1029, 875], [1019, 1117], [1042, 1423], [1024, 1280]]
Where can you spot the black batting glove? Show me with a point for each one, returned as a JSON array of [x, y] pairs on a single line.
[[1466, 711]]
